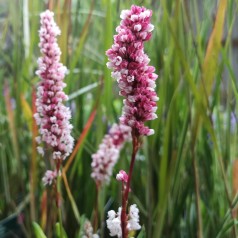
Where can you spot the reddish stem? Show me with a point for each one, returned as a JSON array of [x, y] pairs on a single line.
[[57, 195], [58, 164], [136, 145]]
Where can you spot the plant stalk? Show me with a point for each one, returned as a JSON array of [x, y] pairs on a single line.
[[198, 208], [58, 204], [136, 146], [96, 214]]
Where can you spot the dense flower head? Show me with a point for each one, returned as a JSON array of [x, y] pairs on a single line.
[[107, 155], [52, 115], [114, 221], [49, 177], [130, 67], [133, 221], [122, 176]]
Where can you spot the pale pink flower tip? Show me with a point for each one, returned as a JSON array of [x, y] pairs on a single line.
[[52, 115], [122, 176], [136, 79], [49, 177], [104, 160]]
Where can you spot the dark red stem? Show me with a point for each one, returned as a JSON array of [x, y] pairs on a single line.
[[136, 145], [57, 195]]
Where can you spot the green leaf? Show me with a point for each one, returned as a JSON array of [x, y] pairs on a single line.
[[142, 233], [210, 63], [38, 231], [83, 90], [58, 231]]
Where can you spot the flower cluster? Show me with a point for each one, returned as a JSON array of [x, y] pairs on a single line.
[[108, 153], [133, 221], [52, 115], [122, 176], [114, 221], [135, 77], [49, 177]]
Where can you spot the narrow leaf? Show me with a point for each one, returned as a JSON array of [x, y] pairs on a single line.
[[27, 113], [83, 90], [38, 231], [81, 138], [214, 46]]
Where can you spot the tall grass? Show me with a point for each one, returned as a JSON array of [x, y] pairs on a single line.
[[183, 176]]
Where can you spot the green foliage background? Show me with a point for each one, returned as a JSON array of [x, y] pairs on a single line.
[[182, 180]]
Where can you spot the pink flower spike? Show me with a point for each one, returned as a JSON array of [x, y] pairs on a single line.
[[104, 160], [52, 115], [122, 176], [129, 63]]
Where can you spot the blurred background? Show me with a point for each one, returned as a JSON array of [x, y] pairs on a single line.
[[185, 178]]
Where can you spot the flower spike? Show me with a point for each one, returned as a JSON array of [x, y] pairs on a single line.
[[136, 79], [52, 115]]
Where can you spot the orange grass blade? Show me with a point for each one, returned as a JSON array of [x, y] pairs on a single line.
[[27, 112], [51, 5], [44, 210], [81, 138]]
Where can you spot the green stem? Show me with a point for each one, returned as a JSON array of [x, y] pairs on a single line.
[[198, 208], [96, 215], [59, 205]]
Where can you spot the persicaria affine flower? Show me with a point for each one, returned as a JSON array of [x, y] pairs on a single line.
[[114, 221], [49, 177], [130, 67], [133, 221], [52, 115], [122, 176], [107, 155]]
